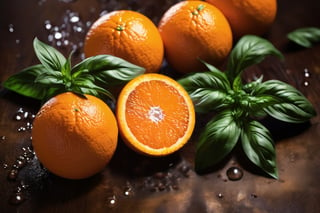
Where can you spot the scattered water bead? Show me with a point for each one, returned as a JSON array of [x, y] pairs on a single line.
[[3, 138], [234, 173], [128, 191], [17, 198], [13, 174], [220, 195], [111, 201], [306, 73], [11, 28], [21, 129]]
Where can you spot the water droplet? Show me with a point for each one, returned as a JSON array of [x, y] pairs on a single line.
[[17, 198], [57, 35], [21, 129], [220, 195], [5, 166], [306, 73], [47, 25], [3, 138], [74, 19], [306, 83], [13, 174], [111, 201], [128, 191], [234, 173], [11, 28]]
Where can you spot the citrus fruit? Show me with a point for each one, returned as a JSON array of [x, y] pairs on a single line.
[[248, 16], [129, 35], [155, 115], [74, 137], [194, 30]]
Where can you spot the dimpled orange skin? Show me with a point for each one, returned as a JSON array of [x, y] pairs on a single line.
[[155, 114], [74, 137], [129, 35], [193, 30], [248, 16]]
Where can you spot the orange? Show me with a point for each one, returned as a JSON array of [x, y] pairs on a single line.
[[155, 115], [248, 16], [74, 137], [129, 35], [194, 30]]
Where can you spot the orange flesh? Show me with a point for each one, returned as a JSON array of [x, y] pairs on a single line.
[[157, 119]]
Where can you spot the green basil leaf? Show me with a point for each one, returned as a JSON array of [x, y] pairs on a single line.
[[248, 51], [255, 105], [305, 37], [259, 147], [208, 90], [291, 105], [217, 140], [66, 69], [49, 78], [48, 56], [24, 83], [85, 85], [108, 69], [251, 86]]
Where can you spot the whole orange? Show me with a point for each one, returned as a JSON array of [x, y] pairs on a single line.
[[194, 30], [74, 137], [129, 35], [248, 16]]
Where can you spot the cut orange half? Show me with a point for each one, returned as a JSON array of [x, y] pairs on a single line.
[[155, 115]]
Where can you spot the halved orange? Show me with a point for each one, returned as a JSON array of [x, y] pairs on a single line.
[[155, 115]]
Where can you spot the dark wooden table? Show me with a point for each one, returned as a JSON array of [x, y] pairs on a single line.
[[133, 183]]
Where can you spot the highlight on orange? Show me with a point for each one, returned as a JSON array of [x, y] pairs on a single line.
[[192, 31], [155, 115], [74, 137], [129, 35]]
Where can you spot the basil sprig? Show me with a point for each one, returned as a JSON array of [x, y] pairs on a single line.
[[56, 75], [239, 106], [305, 37]]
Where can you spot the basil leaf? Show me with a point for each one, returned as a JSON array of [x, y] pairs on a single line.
[[248, 51], [305, 37], [85, 86], [217, 140], [208, 90], [291, 105], [259, 148], [251, 86], [108, 69], [24, 83], [49, 78], [48, 56]]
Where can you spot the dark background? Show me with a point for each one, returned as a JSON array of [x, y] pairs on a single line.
[[134, 181]]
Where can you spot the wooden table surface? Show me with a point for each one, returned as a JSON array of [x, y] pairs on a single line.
[[133, 183]]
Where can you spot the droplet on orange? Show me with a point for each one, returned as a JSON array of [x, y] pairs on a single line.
[[155, 115]]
